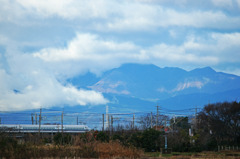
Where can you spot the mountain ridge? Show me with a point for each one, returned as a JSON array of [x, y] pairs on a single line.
[[151, 83]]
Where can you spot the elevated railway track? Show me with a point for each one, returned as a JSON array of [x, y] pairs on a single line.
[[22, 128]]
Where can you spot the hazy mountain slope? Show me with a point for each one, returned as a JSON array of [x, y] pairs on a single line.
[[173, 87], [199, 99], [83, 81], [141, 81]]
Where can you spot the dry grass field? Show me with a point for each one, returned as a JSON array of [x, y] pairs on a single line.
[[89, 150]]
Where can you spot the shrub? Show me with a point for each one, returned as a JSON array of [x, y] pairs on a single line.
[[151, 140], [59, 139], [103, 137]]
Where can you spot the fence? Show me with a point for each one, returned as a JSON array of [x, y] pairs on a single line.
[[228, 148]]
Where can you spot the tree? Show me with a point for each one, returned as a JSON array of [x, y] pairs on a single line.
[[179, 141], [145, 121], [102, 136], [152, 139], [180, 123], [221, 121]]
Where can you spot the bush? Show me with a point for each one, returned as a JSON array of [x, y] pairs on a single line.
[[136, 139], [117, 137], [59, 139], [7, 146], [103, 137], [151, 140]]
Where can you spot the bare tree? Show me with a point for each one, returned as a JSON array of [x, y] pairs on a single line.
[[147, 121], [222, 120]]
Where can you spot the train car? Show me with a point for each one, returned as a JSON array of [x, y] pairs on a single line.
[[44, 128]]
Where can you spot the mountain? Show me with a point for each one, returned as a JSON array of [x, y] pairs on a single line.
[[84, 81], [139, 86], [140, 81]]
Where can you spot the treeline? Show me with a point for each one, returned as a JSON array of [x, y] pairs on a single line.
[[216, 125]]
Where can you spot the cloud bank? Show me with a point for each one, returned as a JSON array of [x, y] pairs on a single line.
[[96, 55], [40, 89]]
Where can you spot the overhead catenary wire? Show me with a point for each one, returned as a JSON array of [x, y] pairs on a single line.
[[54, 116]]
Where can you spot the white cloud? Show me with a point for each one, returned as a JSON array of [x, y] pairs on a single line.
[[83, 47], [172, 55], [67, 8], [227, 46], [44, 93], [102, 54], [238, 2], [88, 52], [28, 85], [10, 10], [222, 3], [117, 15], [149, 17]]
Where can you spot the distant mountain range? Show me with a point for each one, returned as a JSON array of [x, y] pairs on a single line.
[[139, 87]]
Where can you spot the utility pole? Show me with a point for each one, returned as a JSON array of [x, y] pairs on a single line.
[[0, 121], [109, 122], [112, 123], [32, 119], [103, 122], [40, 118], [107, 118], [133, 120], [165, 141], [62, 122], [165, 127], [195, 122], [174, 120], [35, 118], [77, 120], [157, 117], [62, 125], [151, 120]]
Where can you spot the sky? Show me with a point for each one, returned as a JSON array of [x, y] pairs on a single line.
[[44, 43]]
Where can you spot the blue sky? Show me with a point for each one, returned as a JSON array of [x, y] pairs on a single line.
[[42, 43]]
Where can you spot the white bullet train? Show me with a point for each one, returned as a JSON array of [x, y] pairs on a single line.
[[44, 128]]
